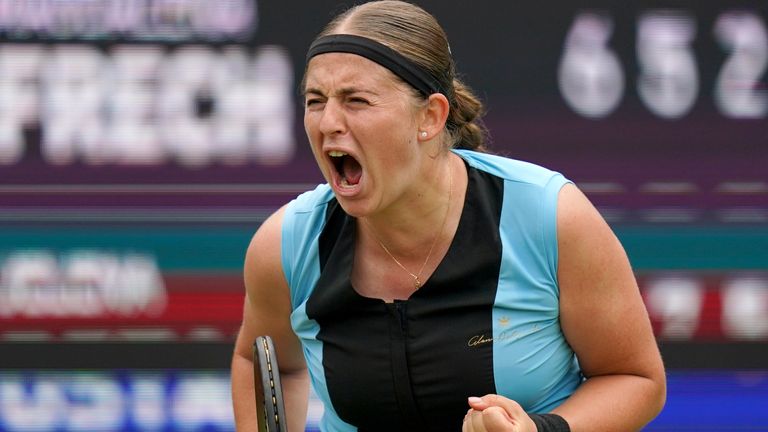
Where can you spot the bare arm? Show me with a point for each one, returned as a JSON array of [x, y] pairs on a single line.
[[267, 312], [605, 321]]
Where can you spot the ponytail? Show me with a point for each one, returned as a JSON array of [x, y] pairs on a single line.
[[464, 122]]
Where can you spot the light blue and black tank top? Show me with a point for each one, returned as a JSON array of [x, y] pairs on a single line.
[[486, 321]]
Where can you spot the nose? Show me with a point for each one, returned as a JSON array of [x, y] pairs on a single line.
[[332, 121]]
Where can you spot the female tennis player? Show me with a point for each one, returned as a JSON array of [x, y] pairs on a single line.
[[430, 285]]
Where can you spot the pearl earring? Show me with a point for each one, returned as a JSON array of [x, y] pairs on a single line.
[[423, 134]]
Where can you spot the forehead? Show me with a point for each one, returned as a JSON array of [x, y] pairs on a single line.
[[332, 70]]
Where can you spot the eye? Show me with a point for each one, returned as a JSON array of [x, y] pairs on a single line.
[[358, 100], [313, 102]]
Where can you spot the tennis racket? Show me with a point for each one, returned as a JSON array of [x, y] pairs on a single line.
[[269, 398]]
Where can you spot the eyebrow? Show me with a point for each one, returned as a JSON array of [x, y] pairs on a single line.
[[342, 92]]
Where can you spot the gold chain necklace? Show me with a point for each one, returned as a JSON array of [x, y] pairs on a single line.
[[416, 277]]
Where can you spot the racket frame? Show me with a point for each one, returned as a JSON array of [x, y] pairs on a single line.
[[270, 406]]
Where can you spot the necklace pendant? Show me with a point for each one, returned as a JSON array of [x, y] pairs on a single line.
[[417, 282]]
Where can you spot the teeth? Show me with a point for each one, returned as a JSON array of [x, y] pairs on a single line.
[[336, 153]]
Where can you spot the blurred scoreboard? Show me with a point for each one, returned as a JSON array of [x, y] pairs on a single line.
[[141, 82], [206, 84]]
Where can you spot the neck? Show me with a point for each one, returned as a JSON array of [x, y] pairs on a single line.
[[408, 229]]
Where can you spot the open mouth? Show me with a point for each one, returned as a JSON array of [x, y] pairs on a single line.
[[347, 168]]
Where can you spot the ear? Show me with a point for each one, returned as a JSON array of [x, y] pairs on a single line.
[[434, 116]]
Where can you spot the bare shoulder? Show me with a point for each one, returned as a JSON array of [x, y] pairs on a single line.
[[575, 212], [266, 287], [586, 244], [263, 257]]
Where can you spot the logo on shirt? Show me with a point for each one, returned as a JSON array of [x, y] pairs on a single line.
[[505, 336]]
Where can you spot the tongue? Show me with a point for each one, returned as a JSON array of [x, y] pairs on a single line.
[[352, 170]]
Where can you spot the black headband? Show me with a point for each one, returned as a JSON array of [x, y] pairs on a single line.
[[409, 71]]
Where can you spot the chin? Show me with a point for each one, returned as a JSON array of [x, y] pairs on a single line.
[[354, 208]]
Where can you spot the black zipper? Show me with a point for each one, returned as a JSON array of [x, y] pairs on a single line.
[[401, 374]]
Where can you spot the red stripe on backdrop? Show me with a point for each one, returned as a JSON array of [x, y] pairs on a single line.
[[682, 307], [182, 316], [204, 282], [710, 321]]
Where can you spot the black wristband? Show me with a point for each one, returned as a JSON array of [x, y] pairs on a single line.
[[549, 423]]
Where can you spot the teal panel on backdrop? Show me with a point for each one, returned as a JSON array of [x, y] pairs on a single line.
[[696, 247], [181, 249], [222, 248]]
